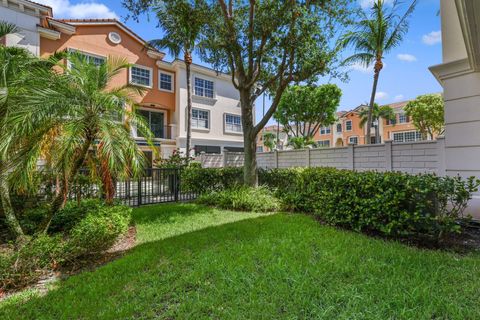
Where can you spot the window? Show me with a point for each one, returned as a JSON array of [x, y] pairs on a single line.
[[141, 76], [200, 119], [339, 127], [408, 136], [233, 123], [325, 130], [166, 81], [323, 143], [155, 121], [233, 149], [353, 140], [90, 58], [207, 149], [259, 149], [203, 88], [392, 121], [402, 118], [348, 125]]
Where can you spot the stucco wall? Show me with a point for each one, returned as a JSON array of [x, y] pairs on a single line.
[[28, 36]]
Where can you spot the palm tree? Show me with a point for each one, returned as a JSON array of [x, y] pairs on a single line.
[[376, 35], [269, 140], [14, 63], [91, 120], [301, 142], [182, 22], [383, 112], [7, 28]]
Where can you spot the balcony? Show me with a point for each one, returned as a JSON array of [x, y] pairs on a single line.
[[161, 132]]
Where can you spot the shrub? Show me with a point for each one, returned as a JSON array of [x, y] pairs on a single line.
[[242, 199], [22, 267], [98, 231], [201, 180], [73, 212], [390, 203]]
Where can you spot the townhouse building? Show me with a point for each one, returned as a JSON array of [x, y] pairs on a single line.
[[278, 132], [347, 129], [216, 116]]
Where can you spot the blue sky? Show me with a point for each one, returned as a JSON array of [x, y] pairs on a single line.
[[405, 75]]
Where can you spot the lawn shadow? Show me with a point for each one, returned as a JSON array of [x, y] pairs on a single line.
[[166, 213]]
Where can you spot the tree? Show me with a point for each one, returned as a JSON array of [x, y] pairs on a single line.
[[303, 109], [383, 112], [270, 140], [90, 118], [182, 22], [427, 113], [13, 63], [267, 45], [375, 36], [300, 142]]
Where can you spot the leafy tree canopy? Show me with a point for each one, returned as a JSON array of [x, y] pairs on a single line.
[[303, 109], [427, 113]]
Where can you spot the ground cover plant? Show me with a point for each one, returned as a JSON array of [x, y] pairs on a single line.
[[195, 262]]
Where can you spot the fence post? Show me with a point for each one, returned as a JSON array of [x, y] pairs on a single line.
[[225, 159], [388, 155], [307, 158], [176, 183], [442, 166], [139, 188], [275, 155], [351, 157], [202, 159]]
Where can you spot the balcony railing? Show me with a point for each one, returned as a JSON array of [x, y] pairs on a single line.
[[160, 131]]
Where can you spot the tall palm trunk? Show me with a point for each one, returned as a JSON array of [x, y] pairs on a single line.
[[60, 199], [10, 217], [188, 63], [378, 68]]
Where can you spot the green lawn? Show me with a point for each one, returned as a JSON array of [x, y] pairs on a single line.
[[199, 263]]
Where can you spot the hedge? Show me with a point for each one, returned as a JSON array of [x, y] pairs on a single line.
[[390, 203]]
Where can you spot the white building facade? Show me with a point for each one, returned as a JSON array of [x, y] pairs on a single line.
[[216, 113], [28, 17]]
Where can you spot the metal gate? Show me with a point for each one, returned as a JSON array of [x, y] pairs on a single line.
[[156, 186]]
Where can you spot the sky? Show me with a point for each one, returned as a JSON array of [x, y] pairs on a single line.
[[404, 77]]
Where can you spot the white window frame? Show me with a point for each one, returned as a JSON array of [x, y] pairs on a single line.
[[325, 130], [208, 120], [341, 127], [160, 72], [144, 68], [418, 136], [351, 125], [321, 143], [225, 123], [404, 116], [350, 140], [85, 53], [204, 79]]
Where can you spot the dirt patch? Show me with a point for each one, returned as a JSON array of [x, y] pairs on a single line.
[[123, 244]]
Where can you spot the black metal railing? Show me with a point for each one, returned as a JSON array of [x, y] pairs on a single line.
[[157, 185]]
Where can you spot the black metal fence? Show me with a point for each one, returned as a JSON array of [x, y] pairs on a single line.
[[157, 185]]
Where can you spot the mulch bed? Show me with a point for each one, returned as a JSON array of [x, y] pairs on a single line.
[[123, 244]]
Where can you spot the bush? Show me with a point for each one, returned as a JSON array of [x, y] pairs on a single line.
[[22, 267], [73, 212], [390, 203], [201, 180], [98, 231], [242, 199]]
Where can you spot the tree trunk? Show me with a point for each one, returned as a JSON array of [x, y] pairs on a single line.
[[249, 141], [188, 62], [378, 68], [10, 217], [59, 200]]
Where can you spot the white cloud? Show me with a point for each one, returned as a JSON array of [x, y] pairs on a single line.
[[399, 97], [406, 57], [361, 68], [367, 4], [81, 10], [432, 38], [380, 95]]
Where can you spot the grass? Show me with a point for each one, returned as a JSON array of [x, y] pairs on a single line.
[[198, 263]]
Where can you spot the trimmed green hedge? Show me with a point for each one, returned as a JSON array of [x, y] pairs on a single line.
[[392, 203]]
